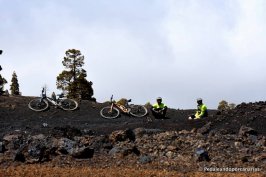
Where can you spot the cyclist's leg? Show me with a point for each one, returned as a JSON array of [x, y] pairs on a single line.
[[156, 113]]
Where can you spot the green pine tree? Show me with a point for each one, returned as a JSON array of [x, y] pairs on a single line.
[[2, 83], [73, 80], [14, 87]]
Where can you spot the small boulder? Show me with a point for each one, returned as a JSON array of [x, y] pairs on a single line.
[[122, 135], [65, 146], [82, 153], [2, 147], [145, 159], [124, 151], [201, 155], [244, 131], [139, 132], [205, 129]]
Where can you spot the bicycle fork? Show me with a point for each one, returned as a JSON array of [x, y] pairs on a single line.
[[111, 108]]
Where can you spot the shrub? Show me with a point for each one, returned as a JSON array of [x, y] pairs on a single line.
[[122, 101], [224, 106], [148, 105]]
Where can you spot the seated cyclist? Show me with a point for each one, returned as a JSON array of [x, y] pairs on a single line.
[[159, 109], [201, 110]]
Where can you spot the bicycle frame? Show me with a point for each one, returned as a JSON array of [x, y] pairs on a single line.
[[42, 103], [50, 100], [115, 108], [124, 109]]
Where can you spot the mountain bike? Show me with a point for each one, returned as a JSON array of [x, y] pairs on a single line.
[[42, 103], [113, 111]]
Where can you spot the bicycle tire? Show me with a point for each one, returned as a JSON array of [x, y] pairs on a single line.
[[138, 110], [38, 104], [105, 112], [68, 104]]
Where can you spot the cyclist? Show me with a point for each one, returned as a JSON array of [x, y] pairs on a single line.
[[201, 110], [159, 109]]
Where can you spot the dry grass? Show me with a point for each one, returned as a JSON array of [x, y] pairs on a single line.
[[45, 171]]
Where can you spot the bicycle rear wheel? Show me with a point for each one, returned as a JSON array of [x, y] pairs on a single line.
[[38, 104], [68, 104], [138, 110], [109, 113]]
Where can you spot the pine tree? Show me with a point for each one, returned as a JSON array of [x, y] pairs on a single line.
[[84, 87], [2, 80], [73, 80], [14, 87], [2, 83]]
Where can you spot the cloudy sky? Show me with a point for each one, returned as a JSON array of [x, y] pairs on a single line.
[[140, 49]]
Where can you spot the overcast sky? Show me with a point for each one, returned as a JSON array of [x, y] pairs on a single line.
[[140, 49]]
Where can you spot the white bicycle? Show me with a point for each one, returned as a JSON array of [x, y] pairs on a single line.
[[113, 111], [42, 103]]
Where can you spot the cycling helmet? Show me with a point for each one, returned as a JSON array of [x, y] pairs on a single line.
[[199, 99], [159, 98]]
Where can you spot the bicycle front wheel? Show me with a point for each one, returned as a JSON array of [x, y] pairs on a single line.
[[68, 104], [138, 110], [109, 113], [38, 104]]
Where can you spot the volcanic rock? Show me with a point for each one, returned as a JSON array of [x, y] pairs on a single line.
[[82, 153], [122, 135], [244, 131], [205, 129], [144, 159]]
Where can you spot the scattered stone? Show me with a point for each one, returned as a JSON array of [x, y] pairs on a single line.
[[88, 132], [162, 147], [244, 131], [19, 157], [114, 151], [2, 147], [67, 131], [245, 159], [44, 124], [139, 132], [11, 137], [238, 144], [169, 154], [65, 145], [201, 155], [122, 135], [261, 158], [171, 148], [83, 153], [145, 159], [205, 129], [123, 151]]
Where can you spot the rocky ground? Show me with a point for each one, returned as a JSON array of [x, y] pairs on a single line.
[[223, 141]]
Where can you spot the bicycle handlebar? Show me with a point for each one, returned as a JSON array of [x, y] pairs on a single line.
[[43, 92], [111, 99]]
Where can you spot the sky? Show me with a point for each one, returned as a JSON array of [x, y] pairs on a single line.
[[179, 50]]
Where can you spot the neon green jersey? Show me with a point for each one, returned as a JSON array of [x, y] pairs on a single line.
[[202, 111], [157, 106]]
